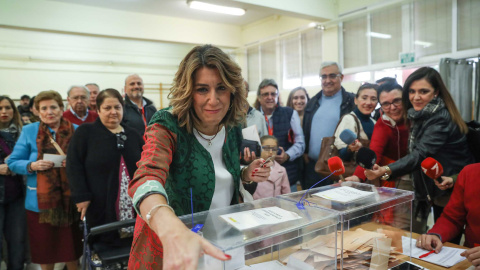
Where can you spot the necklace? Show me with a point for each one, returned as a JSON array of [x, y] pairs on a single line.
[[208, 140]]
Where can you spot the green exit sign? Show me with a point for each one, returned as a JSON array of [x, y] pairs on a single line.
[[406, 58]]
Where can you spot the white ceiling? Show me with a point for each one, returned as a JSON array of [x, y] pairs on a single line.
[[179, 8], [316, 10]]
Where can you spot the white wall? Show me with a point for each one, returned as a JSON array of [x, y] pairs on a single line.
[[59, 16], [53, 45], [32, 61]]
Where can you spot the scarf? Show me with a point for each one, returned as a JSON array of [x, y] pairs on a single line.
[[417, 118], [53, 191]]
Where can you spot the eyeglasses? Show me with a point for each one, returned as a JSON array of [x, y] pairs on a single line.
[[121, 138], [264, 95], [332, 76], [396, 102], [270, 148], [79, 98]]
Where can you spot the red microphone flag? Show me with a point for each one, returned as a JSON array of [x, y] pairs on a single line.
[[432, 168], [336, 166]]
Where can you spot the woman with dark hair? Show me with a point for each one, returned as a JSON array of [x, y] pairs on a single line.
[[436, 130], [390, 134], [359, 121], [297, 100], [12, 210], [192, 146], [53, 224], [101, 160]]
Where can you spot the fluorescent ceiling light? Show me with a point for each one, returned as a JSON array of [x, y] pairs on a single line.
[[216, 8], [423, 43], [379, 35]]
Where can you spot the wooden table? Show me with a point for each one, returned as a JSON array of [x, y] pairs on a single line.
[[459, 266], [372, 227]]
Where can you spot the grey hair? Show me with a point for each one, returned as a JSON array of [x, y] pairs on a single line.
[[265, 83], [79, 86], [331, 63], [92, 84], [133, 74]]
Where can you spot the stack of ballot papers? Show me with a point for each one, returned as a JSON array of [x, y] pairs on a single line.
[[361, 250], [447, 257], [344, 194], [258, 217]]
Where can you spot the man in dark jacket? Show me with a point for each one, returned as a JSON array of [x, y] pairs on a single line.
[[321, 117], [138, 110], [284, 124]]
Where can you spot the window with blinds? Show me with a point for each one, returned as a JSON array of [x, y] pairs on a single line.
[[432, 27], [468, 30], [355, 43], [311, 57], [253, 64], [291, 62], [386, 35], [268, 56]]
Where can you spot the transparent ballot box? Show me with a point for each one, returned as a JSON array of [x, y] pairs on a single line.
[[267, 234], [375, 228]]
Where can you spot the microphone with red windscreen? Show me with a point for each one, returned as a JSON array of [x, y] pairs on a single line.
[[335, 165], [432, 169]]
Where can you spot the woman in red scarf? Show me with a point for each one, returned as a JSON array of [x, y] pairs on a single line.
[[51, 217]]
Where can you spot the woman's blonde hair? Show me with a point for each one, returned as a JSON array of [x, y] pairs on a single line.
[[181, 93]]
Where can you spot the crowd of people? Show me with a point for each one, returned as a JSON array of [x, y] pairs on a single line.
[[123, 159]]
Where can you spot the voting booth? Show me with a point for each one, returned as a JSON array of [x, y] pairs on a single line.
[[266, 234], [374, 231]]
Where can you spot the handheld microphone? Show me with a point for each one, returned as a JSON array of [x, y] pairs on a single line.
[[366, 158], [335, 165], [348, 136], [432, 169]]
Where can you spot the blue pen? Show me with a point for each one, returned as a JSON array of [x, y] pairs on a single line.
[[198, 227]]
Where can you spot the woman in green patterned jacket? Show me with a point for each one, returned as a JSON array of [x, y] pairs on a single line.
[[194, 144]]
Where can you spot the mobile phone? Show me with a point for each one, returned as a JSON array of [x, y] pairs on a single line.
[[407, 266], [267, 160]]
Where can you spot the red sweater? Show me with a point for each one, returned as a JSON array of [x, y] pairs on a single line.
[[389, 142], [92, 115], [463, 208]]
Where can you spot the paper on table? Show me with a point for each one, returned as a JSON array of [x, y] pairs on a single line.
[[380, 253], [251, 133], [343, 194], [56, 159], [447, 257], [254, 218]]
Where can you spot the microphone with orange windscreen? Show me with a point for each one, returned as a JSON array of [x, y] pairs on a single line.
[[432, 169]]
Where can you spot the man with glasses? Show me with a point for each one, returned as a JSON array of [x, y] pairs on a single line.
[[321, 116], [284, 124], [78, 113]]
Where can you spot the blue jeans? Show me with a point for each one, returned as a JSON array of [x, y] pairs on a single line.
[[13, 226]]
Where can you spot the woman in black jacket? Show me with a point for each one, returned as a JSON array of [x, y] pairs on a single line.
[[13, 223], [436, 130], [101, 160]]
